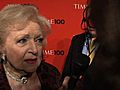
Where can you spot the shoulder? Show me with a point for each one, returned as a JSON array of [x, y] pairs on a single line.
[[46, 67], [79, 36], [4, 85]]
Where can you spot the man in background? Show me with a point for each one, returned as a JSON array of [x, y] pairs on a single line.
[[81, 54]]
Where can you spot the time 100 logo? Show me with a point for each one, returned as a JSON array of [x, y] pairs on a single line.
[[56, 21], [53, 52]]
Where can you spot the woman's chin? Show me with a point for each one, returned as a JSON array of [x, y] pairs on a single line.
[[31, 69], [31, 66]]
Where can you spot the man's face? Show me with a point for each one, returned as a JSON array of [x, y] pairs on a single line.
[[93, 33], [23, 48]]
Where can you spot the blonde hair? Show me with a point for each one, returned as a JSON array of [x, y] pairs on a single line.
[[20, 14]]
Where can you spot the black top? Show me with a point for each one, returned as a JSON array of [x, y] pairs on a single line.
[[48, 75]]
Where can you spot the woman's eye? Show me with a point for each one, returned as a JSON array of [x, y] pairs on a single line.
[[22, 41], [39, 40]]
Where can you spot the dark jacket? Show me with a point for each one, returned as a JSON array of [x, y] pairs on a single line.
[[48, 75], [104, 70], [102, 74], [75, 54], [75, 51]]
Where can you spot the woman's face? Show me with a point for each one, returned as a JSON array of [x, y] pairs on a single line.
[[23, 48]]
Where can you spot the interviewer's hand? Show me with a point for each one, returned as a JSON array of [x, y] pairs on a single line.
[[65, 83]]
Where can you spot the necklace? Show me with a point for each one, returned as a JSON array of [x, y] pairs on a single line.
[[22, 80]]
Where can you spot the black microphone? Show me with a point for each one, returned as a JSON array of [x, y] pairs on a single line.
[[78, 67]]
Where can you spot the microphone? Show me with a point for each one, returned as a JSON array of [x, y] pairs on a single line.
[[78, 67]]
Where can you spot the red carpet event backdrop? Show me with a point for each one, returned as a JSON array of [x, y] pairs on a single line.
[[65, 17]]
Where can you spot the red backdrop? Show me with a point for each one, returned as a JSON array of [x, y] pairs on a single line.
[[65, 18]]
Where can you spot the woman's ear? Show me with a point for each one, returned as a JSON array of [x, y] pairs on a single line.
[[2, 54]]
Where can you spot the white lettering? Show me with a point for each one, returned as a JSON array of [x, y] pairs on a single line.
[[79, 6], [48, 52]]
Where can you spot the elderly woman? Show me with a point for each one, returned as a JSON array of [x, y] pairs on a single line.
[[22, 38]]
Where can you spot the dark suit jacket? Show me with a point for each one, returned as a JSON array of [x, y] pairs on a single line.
[[75, 54], [102, 74], [104, 71]]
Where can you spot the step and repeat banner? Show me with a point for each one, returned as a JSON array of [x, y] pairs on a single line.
[[65, 18]]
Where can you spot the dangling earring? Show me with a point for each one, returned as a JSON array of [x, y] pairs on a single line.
[[3, 59]]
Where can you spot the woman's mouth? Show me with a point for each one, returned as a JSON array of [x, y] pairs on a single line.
[[31, 61]]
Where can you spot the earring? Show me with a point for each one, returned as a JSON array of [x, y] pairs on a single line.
[[3, 59]]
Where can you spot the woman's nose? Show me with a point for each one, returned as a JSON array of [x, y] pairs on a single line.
[[33, 48]]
